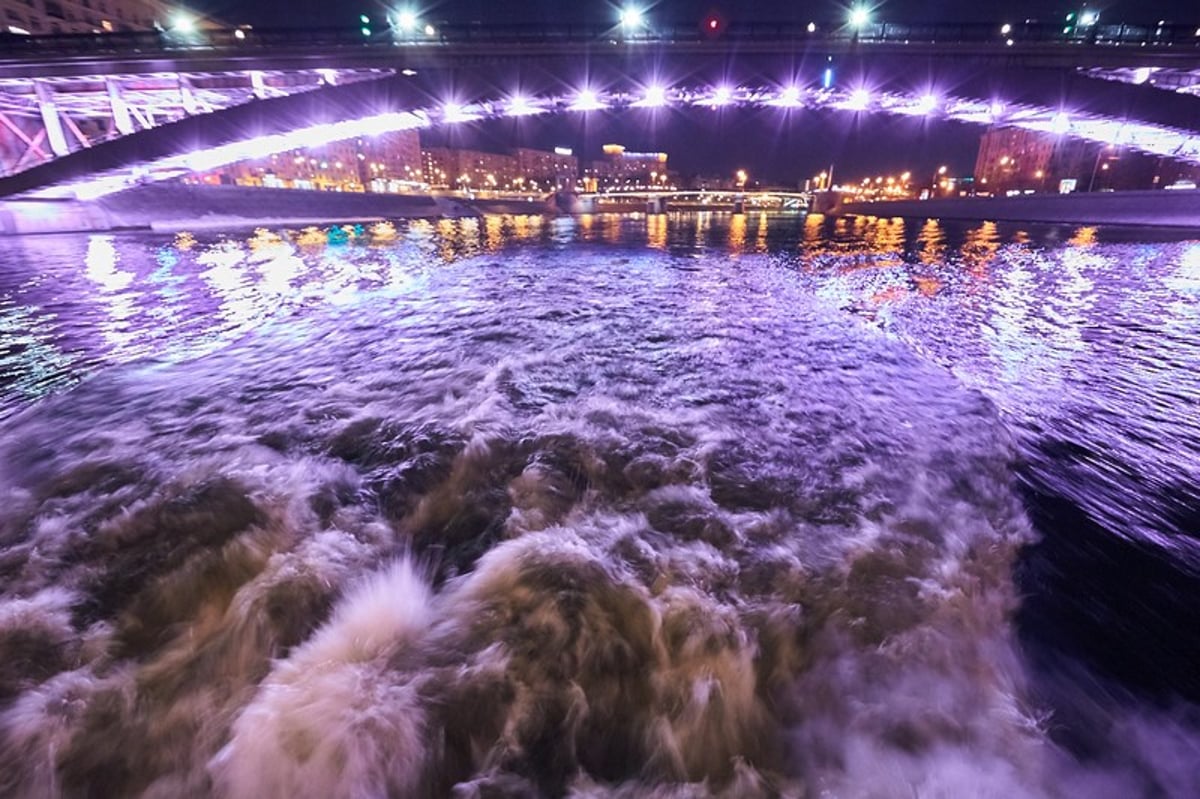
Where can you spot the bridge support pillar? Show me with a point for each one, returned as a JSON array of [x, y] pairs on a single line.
[[656, 205], [571, 203], [50, 119]]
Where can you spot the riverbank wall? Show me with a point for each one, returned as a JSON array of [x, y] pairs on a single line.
[[1169, 209], [173, 207]]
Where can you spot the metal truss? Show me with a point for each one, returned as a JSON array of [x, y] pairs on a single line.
[[1184, 81], [42, 118]]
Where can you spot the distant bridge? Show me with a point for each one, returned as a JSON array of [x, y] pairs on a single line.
[[659, 201], [93, 113]]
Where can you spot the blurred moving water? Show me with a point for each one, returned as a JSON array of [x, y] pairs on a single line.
[[688, 505]]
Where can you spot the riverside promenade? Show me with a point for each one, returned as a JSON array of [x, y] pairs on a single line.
[[1169, 209]]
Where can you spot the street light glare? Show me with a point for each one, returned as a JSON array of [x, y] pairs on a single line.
[[632, 17], [183, 24], [860, 16], [406, 20]]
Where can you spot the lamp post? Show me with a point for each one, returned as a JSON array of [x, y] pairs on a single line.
[[937, 176]]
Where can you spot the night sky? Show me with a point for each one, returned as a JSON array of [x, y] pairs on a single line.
[[781, 150]]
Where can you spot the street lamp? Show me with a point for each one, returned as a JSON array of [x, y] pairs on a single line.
[[632, 18], [183, 23], [860, 16], [406, 21], [937, 176]]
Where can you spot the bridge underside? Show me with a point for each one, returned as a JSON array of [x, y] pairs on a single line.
[[253, 114], [46, 118]]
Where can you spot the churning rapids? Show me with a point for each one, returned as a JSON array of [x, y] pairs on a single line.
[[610, 507]]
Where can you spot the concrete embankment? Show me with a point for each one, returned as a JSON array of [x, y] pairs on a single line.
[[1175, 209], [173, 206]]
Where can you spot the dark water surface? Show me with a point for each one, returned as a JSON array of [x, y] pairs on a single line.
[[699, 505]]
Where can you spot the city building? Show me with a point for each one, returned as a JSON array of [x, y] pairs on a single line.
[[558, 168], [476, 170], [81, 16], [620, 167], [389, 162], [1012, 160], [524, 169]]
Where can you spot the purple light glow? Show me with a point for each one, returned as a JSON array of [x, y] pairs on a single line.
[[587, 100], [789, 97], [859, 100], [655, 97], [722, 95], [926, 104], [519, 105]]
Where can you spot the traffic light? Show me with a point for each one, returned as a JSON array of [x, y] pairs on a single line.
[[712, 25]]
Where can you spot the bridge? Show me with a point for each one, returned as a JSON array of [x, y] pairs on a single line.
[[656, 201], [86, 115]]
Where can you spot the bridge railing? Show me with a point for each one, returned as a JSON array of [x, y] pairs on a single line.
[[14, 47]]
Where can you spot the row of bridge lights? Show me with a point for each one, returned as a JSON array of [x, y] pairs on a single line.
[[788, 97], [658, 96]]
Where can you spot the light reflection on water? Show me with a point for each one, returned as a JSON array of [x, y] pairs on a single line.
[[1029, 317]]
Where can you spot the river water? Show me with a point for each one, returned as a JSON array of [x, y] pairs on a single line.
[[678, 506]]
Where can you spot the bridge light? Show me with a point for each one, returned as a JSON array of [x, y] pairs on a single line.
[[790, 96], [1060, 123], [860, 16], [365, 30], [1005, 29], [182, 23], [860, 99], [587, 100], [927, 104], [364, 19], [519, 105], [453, 112], [430, 30], [656, 97], [723, 95], [812, 27], [1089, 18], [239, 34], [996, 110]]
